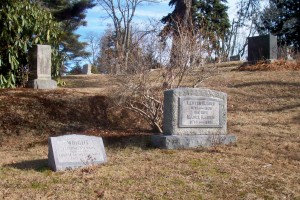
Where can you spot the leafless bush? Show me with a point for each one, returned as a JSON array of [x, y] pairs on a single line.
[[142, 93]]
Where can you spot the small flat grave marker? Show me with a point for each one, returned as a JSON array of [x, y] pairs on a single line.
[[72, 151]]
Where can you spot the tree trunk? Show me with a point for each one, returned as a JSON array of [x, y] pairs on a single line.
[[183, 21]]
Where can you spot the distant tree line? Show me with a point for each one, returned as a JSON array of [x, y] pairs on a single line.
[[208, 20]]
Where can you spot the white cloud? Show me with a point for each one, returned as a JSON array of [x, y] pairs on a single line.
[[147, 13]]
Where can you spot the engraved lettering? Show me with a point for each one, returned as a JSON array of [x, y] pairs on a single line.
[[199, 111]]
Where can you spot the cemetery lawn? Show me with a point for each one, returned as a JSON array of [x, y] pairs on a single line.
[[263, 112]]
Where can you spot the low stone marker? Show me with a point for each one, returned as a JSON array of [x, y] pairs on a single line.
[[40, 68], [87, 68], [235, 58], [72, 151], [193, 117]]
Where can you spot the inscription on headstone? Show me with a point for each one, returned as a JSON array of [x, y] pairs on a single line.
[[199, 112], [194, 111], [71, 151]]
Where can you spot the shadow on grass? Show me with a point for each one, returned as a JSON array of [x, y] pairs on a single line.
[[57, 112], [297, 119], [39, 165], [140, 141], [271, 110], [52, 112], [240, 85], [115, 142]]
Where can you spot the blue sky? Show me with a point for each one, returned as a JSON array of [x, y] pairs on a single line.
[[97, 22]]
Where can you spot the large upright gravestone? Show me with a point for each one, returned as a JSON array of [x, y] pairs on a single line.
[[40, 68], [193, 117], [263, 47], [72, 151]]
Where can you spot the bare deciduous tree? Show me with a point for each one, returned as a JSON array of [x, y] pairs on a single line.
[[94, 46], [121, 13], [143, 93], [247, 13]]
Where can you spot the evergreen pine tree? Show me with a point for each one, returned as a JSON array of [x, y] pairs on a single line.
[[282, 18], [71, 13], [206, 18]]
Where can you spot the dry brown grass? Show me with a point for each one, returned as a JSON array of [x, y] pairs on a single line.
[[263, 111]]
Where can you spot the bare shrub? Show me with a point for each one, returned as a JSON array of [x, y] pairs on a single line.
[[142, 93]]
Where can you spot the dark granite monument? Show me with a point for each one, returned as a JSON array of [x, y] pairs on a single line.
[[263, 47]]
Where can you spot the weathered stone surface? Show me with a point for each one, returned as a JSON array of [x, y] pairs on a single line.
[[42, 84], [72, 151], [193, 117], [183, 119], [87, 68], [40, 68], [190, 141], [263, 47]]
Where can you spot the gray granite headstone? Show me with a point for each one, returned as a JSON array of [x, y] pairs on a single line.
[[193, 117], [263, 47], [87, 68], [40, 68], [72, 151]]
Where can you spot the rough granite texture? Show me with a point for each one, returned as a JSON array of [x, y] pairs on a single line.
[[72, 151], [42, 84], [178, 130], [171, 112], [39, 76], [190, 141]]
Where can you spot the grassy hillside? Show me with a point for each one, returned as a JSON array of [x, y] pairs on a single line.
[[263, 111]]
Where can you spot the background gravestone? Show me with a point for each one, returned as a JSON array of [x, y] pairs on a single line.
[[235, 58], [193, 117], [262, 47], [40, 68], [87, 68], [72, 151]]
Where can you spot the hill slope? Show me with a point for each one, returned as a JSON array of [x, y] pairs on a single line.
[[263, 111]]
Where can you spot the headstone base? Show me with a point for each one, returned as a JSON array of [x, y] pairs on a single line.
[[190, 141], [266, 61], [42, 84]]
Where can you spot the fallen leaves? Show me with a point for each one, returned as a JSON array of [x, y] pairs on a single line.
[[277, 65]]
